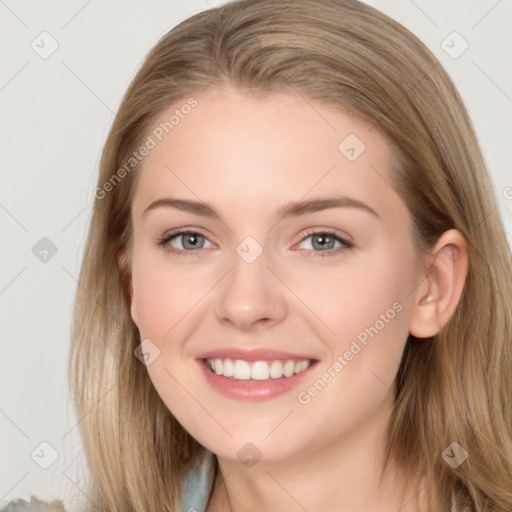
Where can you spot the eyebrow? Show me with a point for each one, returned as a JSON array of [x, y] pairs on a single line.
[[291, 209]]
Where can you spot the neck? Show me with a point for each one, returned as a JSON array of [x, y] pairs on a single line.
[[343, 477]]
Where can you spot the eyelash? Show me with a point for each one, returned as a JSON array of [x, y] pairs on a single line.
[[346, 244]]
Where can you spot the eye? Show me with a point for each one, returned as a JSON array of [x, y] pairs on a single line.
[[326, 243], [322, 242], [183, 241]]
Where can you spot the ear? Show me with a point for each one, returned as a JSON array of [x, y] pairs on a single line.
[[440, 291], [124, 266]]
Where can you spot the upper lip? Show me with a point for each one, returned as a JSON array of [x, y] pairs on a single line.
[[251, 354]]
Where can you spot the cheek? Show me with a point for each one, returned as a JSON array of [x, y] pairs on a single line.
[[368, 309], [372, 292], [153, 300], [166, 298], [163, 294]]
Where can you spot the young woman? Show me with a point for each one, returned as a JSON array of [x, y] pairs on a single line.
[[295, 292]]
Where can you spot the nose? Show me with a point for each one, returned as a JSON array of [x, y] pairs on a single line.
[[251, 296]]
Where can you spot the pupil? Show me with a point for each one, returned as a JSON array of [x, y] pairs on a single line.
[[191, 240], [323, 240]]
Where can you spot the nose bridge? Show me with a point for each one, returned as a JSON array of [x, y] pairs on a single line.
[[251, 294]]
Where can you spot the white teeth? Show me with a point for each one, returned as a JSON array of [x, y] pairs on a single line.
[[258, 370], [242, 370], [276, 369], [304, 365], [229, 369], [289, 368]]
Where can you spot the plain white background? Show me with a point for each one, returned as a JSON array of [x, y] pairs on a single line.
[[56, 112]]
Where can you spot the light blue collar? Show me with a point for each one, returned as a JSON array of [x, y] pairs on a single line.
[[197, 485]]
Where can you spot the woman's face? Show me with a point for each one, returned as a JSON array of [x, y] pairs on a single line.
[[300, 254]]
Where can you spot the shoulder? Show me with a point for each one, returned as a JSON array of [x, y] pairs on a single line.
[[34, 505]]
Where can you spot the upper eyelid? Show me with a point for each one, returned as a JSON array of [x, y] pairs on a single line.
[[182, 232], [346, 241]]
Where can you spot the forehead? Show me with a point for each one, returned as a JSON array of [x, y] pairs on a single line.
[[260, 150]]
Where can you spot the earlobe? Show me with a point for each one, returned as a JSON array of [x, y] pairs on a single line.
[[442, 286], [425, 319]]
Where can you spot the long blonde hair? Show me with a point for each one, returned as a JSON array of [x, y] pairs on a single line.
[[453, 387]]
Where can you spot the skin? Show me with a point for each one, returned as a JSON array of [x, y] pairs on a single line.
[[248, 155]]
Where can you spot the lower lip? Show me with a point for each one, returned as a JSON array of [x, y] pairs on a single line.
[[255, 390]]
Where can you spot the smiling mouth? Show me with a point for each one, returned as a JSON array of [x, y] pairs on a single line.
[[241, 370]]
